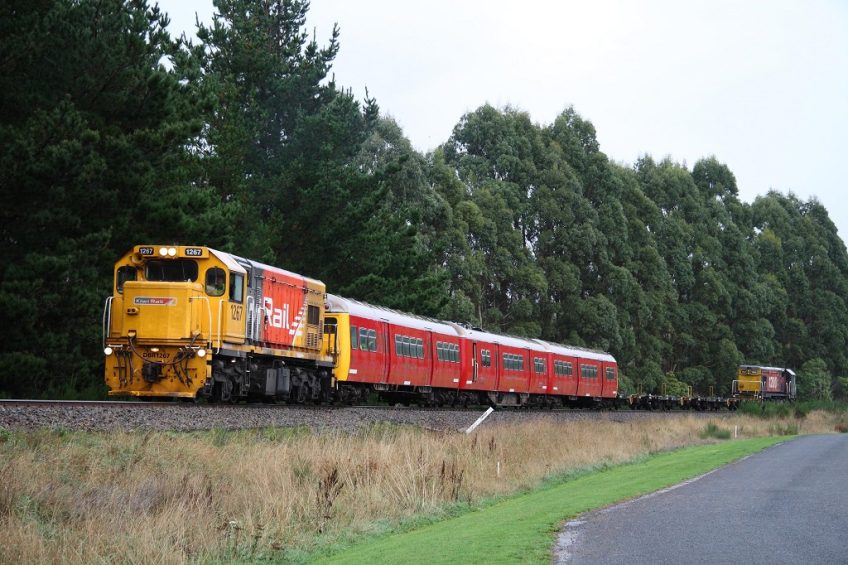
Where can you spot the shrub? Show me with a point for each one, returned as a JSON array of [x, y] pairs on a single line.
[[712, 430], [789, 429]]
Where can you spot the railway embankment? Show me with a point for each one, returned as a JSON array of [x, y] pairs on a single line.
[[296, 491]]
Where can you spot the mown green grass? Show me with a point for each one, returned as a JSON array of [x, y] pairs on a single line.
[[522, 528]]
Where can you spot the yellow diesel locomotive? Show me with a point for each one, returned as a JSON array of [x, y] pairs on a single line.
[[191, 321], [764, 383]]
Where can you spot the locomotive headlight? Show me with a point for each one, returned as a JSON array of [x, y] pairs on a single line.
[[163, 251], [201, 353], [172, 251], [107, 351]]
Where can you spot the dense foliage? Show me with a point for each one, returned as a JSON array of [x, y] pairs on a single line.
[[114, 133]]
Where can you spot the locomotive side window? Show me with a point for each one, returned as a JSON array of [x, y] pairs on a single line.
[[171, 270], [236, 287], [124, 274], [313, 315], [215, 280], [354, 337]]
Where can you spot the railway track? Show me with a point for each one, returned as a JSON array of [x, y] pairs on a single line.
[[92, 403], [135, 416]]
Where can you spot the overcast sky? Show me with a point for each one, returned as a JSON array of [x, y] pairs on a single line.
[[762, 85]]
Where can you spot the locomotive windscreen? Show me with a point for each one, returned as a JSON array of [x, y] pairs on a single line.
[[172, 270]]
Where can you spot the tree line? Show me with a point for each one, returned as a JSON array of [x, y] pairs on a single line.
[[115, 133]]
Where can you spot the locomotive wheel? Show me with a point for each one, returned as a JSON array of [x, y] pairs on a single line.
[[222, 392]]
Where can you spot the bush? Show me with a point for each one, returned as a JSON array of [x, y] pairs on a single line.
[[714, 431], [750, 408], [783, 430]]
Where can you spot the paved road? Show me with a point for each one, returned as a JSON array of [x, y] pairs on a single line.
[[788, 504]]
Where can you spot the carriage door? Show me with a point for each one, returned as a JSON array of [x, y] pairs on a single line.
[[474, 364], [384, 349]]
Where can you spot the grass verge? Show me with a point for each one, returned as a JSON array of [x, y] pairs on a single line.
[[521, 529]]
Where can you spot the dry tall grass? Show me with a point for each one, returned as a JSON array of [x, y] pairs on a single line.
[[216, 496]]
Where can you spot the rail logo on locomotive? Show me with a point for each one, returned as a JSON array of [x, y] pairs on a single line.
[[276, 317], [281, 297]]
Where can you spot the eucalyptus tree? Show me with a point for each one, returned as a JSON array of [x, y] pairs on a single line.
[[495, 155]]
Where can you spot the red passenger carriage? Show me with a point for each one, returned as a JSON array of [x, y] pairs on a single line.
[[412, 358]]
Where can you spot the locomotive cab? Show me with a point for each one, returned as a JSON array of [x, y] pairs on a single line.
[[170, 308]]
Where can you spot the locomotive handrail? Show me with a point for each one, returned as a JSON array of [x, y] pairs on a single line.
[[106, 323], [208, 312], [220, 317]]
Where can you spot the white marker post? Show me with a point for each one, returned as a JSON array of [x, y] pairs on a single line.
[[480, 420]]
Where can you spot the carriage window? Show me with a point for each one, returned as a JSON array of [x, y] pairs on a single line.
[[363, 339], [125, 274], [354, 337], [610, 374], [171, 270], [539, 365], [486, 358], [215, 280], [420, 348], [372, 340], [563, 368], [236, 287], [589, 372]]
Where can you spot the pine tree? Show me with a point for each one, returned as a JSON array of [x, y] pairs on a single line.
[[91, 124]]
